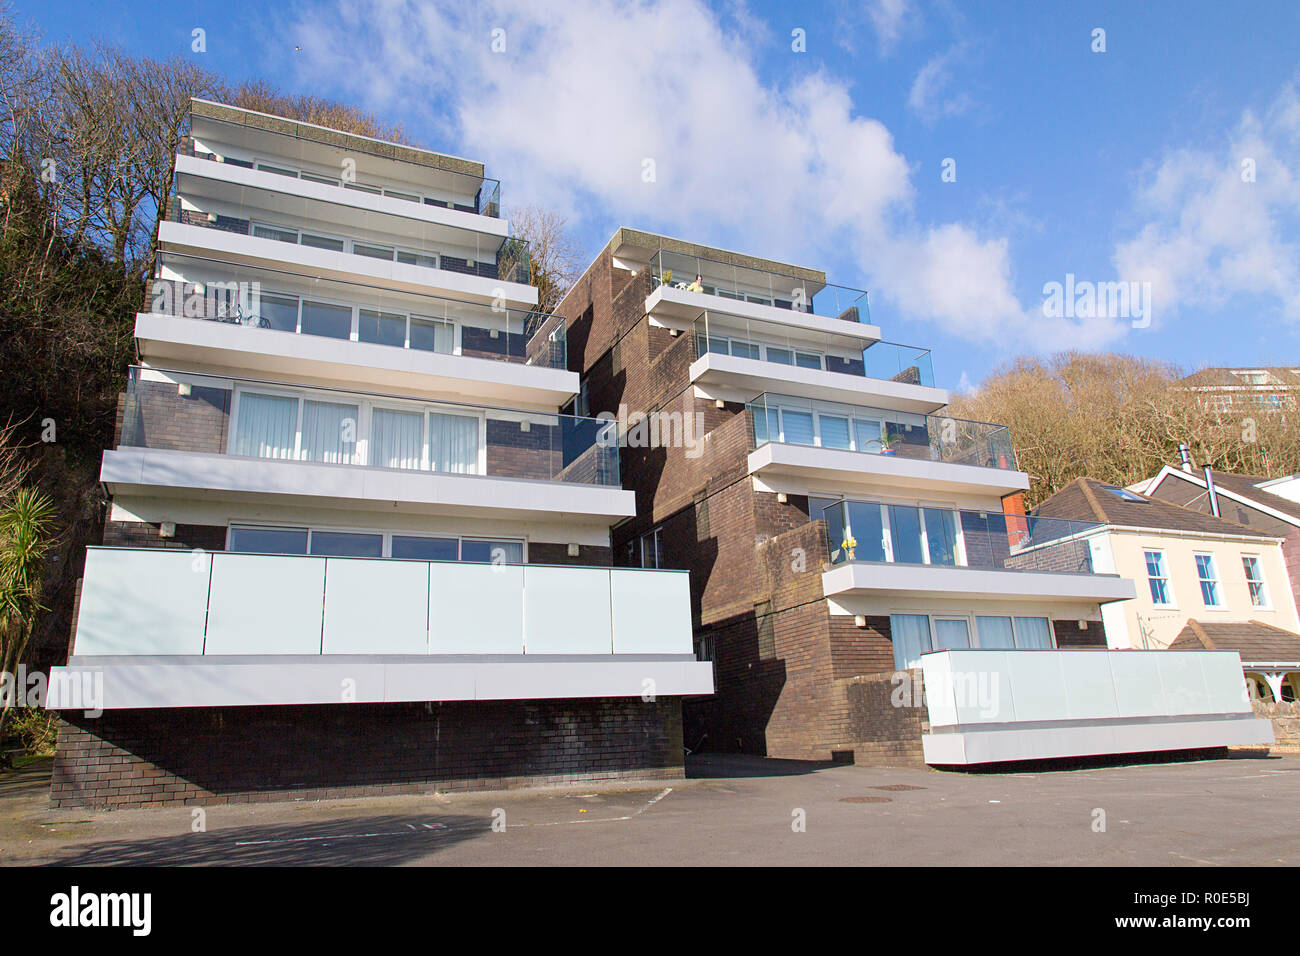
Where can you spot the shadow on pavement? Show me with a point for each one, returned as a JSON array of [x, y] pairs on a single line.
[[361, 841], [722, 766], [1111, 760]]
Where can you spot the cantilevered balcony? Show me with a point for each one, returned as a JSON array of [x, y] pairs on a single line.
[[179, 629], [277, 322], [801, 442], [265, 225], [738, 358], [192, 435], [912, 551]]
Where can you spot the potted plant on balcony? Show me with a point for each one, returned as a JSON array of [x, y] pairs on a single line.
[[849, 544], [890, 444]]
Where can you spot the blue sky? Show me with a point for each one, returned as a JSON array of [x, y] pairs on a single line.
[[1122, 165]]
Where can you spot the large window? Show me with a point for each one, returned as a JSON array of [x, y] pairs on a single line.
[[375, 544], [1158, 578], [1209, 579], [843, 427], [907, 534], [910, 634], [1254, 580], [1020, 633], [288, 426]]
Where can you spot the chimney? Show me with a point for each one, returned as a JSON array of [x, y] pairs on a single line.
[[1187, 458], [1211, 493]]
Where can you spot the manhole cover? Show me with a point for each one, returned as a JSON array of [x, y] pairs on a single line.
[[864, 799], [897, 786]]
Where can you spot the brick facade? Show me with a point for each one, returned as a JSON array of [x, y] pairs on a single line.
[[190, 756]]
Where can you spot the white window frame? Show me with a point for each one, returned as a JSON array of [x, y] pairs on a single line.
[[386, 549], [1216, 581], [365, 407], [921, 506], [655, 535], [1264, 603], [1168, 579]]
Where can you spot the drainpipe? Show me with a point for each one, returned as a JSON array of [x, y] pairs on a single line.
[[1211, 493], [1187, 458]]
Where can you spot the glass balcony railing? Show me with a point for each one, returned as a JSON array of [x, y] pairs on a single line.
[[184, 411], [284, 301], [452, 190], [877, 532], [880, 431], [722, 334], [742, 284], [263, 214]]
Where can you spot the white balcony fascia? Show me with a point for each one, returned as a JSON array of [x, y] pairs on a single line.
[[929, 581], [992, 706], [164, 472], [229, 173], [795, 469], [679, 308], [170, 339], [130, 683], [272, 253], [736, 379]]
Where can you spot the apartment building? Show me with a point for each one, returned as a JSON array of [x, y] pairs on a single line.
[[1189, 565], [840, 527], [353, 542], [1245, 390]]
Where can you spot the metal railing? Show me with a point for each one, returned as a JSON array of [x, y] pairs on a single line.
[[247, 418], [256, 297], [879, 532], [759, 286], [792, 420]]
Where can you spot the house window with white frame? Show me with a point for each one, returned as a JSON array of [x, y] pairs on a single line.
[[1255, 580], [651, 549], [1158, 578], [1208, 577]]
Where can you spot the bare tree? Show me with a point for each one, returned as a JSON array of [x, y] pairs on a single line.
[[553, 253]]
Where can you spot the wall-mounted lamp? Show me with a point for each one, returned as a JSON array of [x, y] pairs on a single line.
[[183, 389], [167, 529], [781, 498], [859, 620], [573, 550]]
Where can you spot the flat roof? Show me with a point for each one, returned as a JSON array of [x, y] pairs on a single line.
[[649, 242]]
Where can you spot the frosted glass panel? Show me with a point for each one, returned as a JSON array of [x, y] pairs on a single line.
[[566, 610], [137, 602], [476, 609], [667, 630], [376, 607], [265, 604], [266, 425]]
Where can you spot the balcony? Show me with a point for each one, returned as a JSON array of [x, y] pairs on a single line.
[[738, 358], [280, 322], [696, 283], [421, 184], [179, 629], [883, 549], [806, 441], [264, 226], [184, 433], [991, 706]]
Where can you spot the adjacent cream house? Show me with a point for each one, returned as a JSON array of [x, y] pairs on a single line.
[[1186, 565]]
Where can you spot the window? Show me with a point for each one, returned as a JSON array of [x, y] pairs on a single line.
[[381, 328], [433, 335], [1254, 580], [1033, 632], [489, 551], [274, 232], [951, 633], [1158, 578], [908, 534], [279, 171], [417, 258], [425, 549], [373, 251], [652, 555], [910, 635], [324, 318], [317, 241], [279, 312], [1124, 494], [347, 544], [332, 543], [1209, 579], [409, 197], [1019, 633], [268, 540]]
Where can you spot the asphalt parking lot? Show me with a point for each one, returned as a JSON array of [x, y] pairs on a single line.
[[730, 811]]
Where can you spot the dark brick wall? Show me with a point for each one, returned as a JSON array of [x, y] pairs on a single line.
[[141, 534], [545, 552], [1067, 634], [177, 756], [156, 415]]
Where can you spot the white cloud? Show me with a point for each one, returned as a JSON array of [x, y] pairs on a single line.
[[931, 97], [587, 91], [888, 17], [1208, 235]]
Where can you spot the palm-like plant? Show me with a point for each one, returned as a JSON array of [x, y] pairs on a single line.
[[26, 534]]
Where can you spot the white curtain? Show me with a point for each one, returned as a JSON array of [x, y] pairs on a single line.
[[329, 432], [396, 438], [951, 635], [911, 637], [1033, 632], [453, 443], [995, 632], [267, 424]]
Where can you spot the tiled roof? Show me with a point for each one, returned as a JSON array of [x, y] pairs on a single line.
[[1086, 499], [1254, 641], [1283, 376]]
